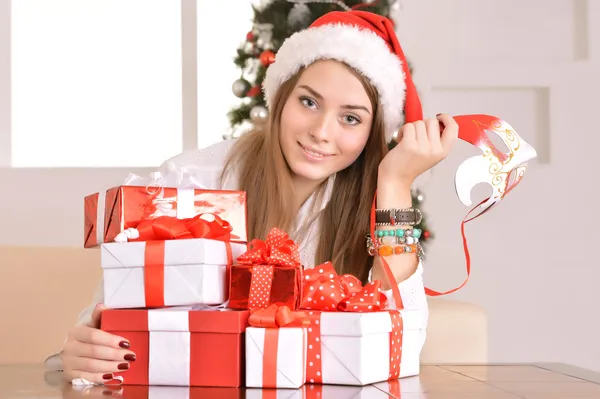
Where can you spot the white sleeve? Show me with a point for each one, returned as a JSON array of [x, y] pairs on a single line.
[[205, 164], [412, 292], [85, 316]]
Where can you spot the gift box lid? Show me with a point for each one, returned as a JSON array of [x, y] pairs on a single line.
[[351, 324], [191, 251], [183, 318]]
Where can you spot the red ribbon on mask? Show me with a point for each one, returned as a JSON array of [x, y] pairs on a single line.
[[271, 319], [156, 231], [277, 250], [325, 290]]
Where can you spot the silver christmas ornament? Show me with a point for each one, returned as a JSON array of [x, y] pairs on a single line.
[[259, 114], [240, 87]]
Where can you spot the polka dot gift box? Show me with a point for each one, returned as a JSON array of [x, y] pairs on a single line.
[[269, 272], [352, 339]]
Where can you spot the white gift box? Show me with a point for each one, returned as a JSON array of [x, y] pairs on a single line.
[[289, 360], [355, 347], [191, 272]]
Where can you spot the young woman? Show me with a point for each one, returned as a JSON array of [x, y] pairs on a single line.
[[337, 93]]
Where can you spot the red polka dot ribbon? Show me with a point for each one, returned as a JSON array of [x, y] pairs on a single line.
[[277, 250], [260, 287], [325, 290]]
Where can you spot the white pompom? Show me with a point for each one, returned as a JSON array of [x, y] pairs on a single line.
[[127, 235]]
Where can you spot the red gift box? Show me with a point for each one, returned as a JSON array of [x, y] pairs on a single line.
[[120, 208], [270, 272], [182, 346]]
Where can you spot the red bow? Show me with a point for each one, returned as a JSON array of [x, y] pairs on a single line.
[[278, 250], [170, 228], [323, 289], [276, 316]]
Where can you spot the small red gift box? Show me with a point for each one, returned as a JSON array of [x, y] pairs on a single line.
[[182, 346], [108, 214], [270, 272]]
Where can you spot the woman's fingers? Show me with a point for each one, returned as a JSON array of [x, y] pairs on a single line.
[[79, 349]]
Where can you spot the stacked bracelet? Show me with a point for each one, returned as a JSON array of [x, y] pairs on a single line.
[[409, 232], [385, 249]]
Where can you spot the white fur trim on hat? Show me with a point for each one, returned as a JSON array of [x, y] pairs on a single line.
[[359, 48]]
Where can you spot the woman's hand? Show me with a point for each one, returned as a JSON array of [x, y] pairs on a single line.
[[94, 354], [421, 145]]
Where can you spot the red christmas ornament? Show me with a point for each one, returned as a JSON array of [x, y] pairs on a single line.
[[426, 234], [267, 57], [254, 91], [250, 36]]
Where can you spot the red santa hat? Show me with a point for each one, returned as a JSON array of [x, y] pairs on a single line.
[[363, 40]]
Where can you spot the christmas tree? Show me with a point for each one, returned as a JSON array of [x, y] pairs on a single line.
[[274, 21]]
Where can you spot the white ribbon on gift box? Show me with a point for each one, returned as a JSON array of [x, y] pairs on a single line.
[[169, 344], [169, 347], [183, 179]]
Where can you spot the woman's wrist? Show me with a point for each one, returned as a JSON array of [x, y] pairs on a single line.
[[393, 194]]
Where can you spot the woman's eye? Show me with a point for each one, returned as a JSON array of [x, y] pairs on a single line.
[[351, 119], [308, 102]]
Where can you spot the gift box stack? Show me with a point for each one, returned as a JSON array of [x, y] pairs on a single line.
[[203, 307], [167, 247]]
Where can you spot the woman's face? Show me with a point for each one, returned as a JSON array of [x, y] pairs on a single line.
[[325, 122]]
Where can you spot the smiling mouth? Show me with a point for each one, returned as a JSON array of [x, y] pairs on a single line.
[[314, 153]]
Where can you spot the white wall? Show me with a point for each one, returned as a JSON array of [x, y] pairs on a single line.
[[534, 63], [535, 268]]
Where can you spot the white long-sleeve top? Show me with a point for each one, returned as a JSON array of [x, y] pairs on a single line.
[[207, 165]]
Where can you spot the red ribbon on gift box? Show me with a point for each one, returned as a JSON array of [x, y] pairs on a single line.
[[277, 250], [271, 319], [325, 290], [156, 231]]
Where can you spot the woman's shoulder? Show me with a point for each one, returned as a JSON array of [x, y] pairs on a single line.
[[206, 164]]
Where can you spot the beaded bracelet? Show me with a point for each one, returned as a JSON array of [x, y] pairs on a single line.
[[408, 232], [386, 250], [390, 240]]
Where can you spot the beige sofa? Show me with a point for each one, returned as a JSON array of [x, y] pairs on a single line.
[[42, 290]]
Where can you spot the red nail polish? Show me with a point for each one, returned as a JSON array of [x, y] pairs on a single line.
[[124, 344], [108, 376], [123, 366], [130, 357]]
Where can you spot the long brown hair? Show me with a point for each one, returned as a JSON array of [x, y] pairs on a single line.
[[264, 174]]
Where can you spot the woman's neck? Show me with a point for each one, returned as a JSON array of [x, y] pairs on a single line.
[[304, 189]]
